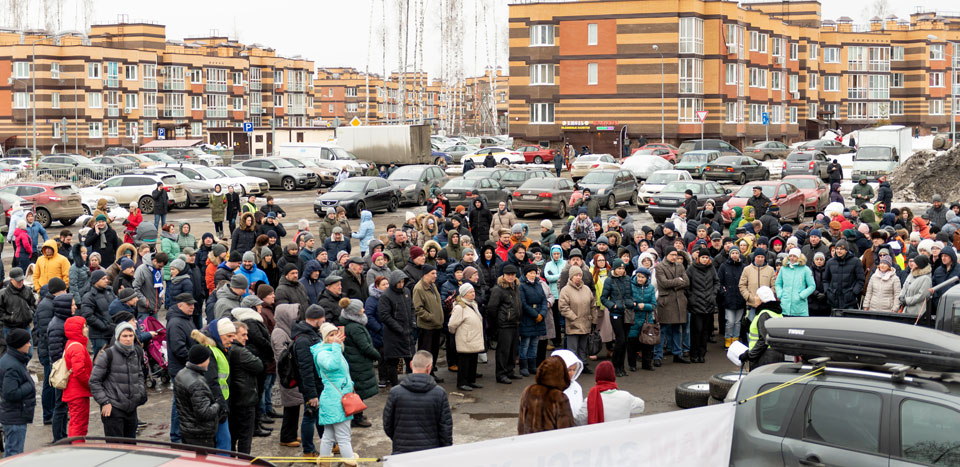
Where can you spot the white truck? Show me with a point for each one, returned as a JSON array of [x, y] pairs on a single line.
[[383, 144], [880, 151], [329, 155]]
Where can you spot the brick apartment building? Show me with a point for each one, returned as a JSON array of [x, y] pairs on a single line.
[[582, 71]]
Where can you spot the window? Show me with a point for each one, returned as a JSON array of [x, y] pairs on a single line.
[[832, 111], [130, 101], [278, 100], [330, 108], [879, 58], [756, 113], [148, 127], [856, 86], [896, 80], [350, 92], [277, 77], [763, 43], [541, 113], [216, 106], [256, 103], [149, 76], [776, 80], [812, 80], [196, 76], [928, 433], [754, 41], [732, 69], [758, 78], [130, 72], [237, 77], [732, 115], [897, 53], [21, 70], [216, 80], [844, 418], [794, 83], [734, 40], [131, 128], [55, 100], [95, 129], [896, 107], [55, 70], [238, 103], [94, 100], [255, 78], [857, 59], [541, 35], [793, 114], [794, 50], [196, 129], [196, 102], [776, 114], [592, 72], [113, 128], [691, 36], [56, 129], [831, 55], [831, 83], [936, 79], [936, 51], [856, 110], [814, 51], [174, 78], [935, 107], [173, 105], [93, 70], [149, 106], [691, 76], [592, 34], [878, 110], [21, 100], [777, 47], [687, 111], [352, 107], [812, 110], [540, 74], [879, 86]]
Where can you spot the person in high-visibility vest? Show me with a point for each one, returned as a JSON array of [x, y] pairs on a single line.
[[759, 353]]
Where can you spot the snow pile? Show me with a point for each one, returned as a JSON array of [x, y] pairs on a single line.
[[923, 143], [925, 174]]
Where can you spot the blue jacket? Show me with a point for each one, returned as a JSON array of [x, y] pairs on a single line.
[[794, 284], [334, 247], [17, 391], [617, 295], [254, 275], [729, 275], [533, 303], [305, 256], [41, 319], [645, 301], [365, 231], [314, 288], [182, 283], [35, 230], [335, 374], [552, 269], [373, 317], [116, 306]]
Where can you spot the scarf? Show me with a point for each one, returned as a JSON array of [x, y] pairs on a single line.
[[606, 381]]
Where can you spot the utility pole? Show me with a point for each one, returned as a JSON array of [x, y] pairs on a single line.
[[663, 114]]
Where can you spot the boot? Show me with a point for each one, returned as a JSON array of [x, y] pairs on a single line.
[[483, 357], [524, 371], [532, 366], [352, 462], [726, 342]]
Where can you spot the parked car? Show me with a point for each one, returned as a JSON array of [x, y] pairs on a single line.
[[513, 178], [695, 161], [160, 157], [549, 195], [816, 194], [327, 155], [486, 172], [89, 201], [140, 160], [781, 192], [501, 155], [137, 188], [538, 154], [278, 172], [358, 193], [198, 191], [11, 205], [738, 168], [827, 146], [664, 150], [11, 165], [96, 451], [416, 182], [590, 162], [62, 165], [483, 141], [457, 151], [51, 201], [440, 158], [655, 183], [659, 152], [806, 163], [610, 186], [249, 185], [641, 166], [459, 191], [325, 175], [23, 152], [664, 204], [118, 164], [116, 151], [766, 150], [194, 156], [724, 147]]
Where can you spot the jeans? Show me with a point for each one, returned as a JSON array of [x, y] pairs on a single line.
[[658, 349], [732, 328], [672, 336], [159, 219], [266, 402], [528, 348], [686, 335], [48, 393], [337, 433], [59, 416], [223, 436], [307, 424], [13, 438], [98, 345], [174, 423]]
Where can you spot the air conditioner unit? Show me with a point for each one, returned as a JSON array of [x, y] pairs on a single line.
[[163, 71], [780, 60], [731, 49], [796, 95]]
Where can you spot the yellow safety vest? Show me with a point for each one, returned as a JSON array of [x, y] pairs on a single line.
[[754, 333], [223, 370]]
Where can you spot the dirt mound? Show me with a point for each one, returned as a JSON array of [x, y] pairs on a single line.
[[925, 174]]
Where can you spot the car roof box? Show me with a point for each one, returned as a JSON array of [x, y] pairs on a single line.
[[865, 341]]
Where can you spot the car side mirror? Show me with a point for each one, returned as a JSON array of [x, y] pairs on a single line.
[[781, 196], [728, 191]]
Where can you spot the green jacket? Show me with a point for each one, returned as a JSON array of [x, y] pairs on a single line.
[[360, 354], [218, 207], [862, 192], [428, 306]]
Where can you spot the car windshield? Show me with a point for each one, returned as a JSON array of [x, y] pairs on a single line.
[[283, 163], [479, 173], [727, 160], [171, 179], [230, 172], [295, 162], [207, 173], [799, 157], [874, 154], [409, 172], [514, 176], [661, 178], [540, 184], [353, 186], [65, 190], [687, 146], [343, 154], [130, 158], [644, 152], [681, 187], [598, 177], [461, 183], [803, 183], [693, 157], [746, 191]]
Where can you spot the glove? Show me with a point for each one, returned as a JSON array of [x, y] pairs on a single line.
[[539, 318], [744, 357]]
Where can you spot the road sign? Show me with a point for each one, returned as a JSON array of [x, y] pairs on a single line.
[[161, 133], [63, 130], [134, 132], [247, 127], [355, 122], [766, 118], [702, 115]]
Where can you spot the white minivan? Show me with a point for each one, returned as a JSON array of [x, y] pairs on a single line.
[[324, 154]]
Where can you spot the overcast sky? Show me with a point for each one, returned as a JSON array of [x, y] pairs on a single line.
[[338, 33]]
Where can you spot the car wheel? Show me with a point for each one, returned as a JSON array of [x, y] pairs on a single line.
[[721, 383], [690, 395], [86, 210], [766, 157], [394, 204], [441, 162], [519, 214], [243, 191], [562, 212], [766, 175], [146, 205], [421, 199], [611, 202], [505, 161], [43, 217], [183, 204], [68, 222], [658, 219], [538, 160], [288, 184], [359, 208], [742, 179], [642, 208]]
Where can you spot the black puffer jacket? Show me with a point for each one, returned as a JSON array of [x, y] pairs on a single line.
[[304, 336], [243, 240], [729, 275], [107, 246], [96, 309], [117, 379], [56, 338], [330, 304], [505, 304], [17, 306], [199, 412], [41, 319], [18, 394], [417, 415], [843, 281], [702, 293], [258, 341], [244, 368], [292, 292], [179, 326], [396, 314]]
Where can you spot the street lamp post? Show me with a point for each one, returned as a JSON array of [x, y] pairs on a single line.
[[953, 93], [663, 114]]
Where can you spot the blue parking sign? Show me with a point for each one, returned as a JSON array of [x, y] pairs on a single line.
[[766, 118], [248, 127], [161, 133]]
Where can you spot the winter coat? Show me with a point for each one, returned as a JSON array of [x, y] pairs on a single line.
[[466, 324], [578, 306], [95, 308], [417, 416], [218, 207], [428, 306], [375, 271], [253, 275], [79, 280], [227, 300], [179, 326], [305, 336], [751, 279], [17, 306], [178, 284], [809, 251], [534, 303], [360, 354], [672, 282], [185, 240], [330, 304], [18, 393], [46, 268], [883, 291], [197, 405], [543, 405], [169, 246], [244, 368], [77, 360], [276, 227], [292, 292], [501, 220], [843, 281], [56, 335], [504, 305], [702, 293], [794, 286], [326, 229], [335, 374], [864, 191], [106, 244], [354, 287], [243, 238], [258, 340], [334, 247], [835, 172], [616, 296], [915, 291], [885, 194], [645, 301], [395, 310], [729, 276], [35, 230], [117, 378], [365, 231], [480, 220], [941, 274], [399, 255], [145, 278], [370, 308], [552, 270], [160, 201], [23, 246], [280, 339], [41, 320]]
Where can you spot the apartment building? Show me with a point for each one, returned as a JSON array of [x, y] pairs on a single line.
[[588, 72], [125, 83]]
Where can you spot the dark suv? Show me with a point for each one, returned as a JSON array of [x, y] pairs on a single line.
[[725, 148]]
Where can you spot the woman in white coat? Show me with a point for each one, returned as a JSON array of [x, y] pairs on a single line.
[[466, 324]]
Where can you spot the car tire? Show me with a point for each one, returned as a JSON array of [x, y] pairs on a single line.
[[421, 199], [766, 157], [394, 205], [721, 383], [538, 160], [86, 210], [611, 202], [359, 208], [440, 162], [692, 394], [658, 219], [562, 212], [146, 204], [183, 204], [742, 179], [243, 191], [68, 222], [42, 217], [642, 208], [288, 184], [505, 161], [766, 175], [519, 214]]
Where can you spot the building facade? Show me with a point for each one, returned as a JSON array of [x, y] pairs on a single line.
[[592, 72]]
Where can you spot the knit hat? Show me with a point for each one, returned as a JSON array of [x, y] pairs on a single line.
[[332, 279], [250, 301], [56, 285], [239, 281], [263, 290], [101, 217], [351, 306], [465, 288], [575, 271], [341, 254], [198, 354], [863, 228], [219, 249], [793, 240], [820, 255], [120, 327], [786, 228], [795, 252], [18, 337], [469, 271], [289, 267], [915, 237], [733, 248], [546, 224], [766, 294], [603, 239], [325, 329], [469, 250], [250, 256], [617, 263], [888, 260], [225, 326], [428, 268], [575, 252], [815, 233], [415, 252], [314, 312], [235, 257], [95, 276], [124, 295], [307, 236], [760, 252], [266, 251], [121, 316], [528, 268], [338, 230], [922, 261], [376, 255], [179, 264]]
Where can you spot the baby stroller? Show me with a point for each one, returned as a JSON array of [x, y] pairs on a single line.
[[146, 233], [156, 352]]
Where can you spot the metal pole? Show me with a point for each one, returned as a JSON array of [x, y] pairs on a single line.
[[953, 97], [76, 118], [33, 98], [663, 114]]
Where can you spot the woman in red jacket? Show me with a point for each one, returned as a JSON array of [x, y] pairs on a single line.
[[77, 392]]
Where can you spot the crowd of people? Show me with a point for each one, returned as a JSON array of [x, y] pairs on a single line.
[[305, 312]]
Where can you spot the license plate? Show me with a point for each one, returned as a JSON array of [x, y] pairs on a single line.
[[529, 197], [454, 195], [668, 202]]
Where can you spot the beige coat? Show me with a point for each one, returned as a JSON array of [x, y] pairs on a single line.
[[752, 279], [882, 292], [578, 307], [501, 221], [467, 326]]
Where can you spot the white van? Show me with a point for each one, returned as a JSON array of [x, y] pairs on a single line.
[[324, 154]]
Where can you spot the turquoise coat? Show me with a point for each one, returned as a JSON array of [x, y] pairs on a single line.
[[335, 373], [794, 284], [172, 249]]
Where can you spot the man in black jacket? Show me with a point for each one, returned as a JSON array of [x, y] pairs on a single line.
[[63, 308], [103, 240], [416, 416], [233, 208], [885, 194], [305, 334], [95, 307], [505, 305], [354, 284], [17, 303], [244, 368], [41, 319], [257, 342], [330, 297], [160, 204], [759, 202], [395, 310], [179, 343], [196, 405]]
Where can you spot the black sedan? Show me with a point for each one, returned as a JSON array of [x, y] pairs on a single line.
[[737, 168], [460, 190], [358, 193], [664, 204]]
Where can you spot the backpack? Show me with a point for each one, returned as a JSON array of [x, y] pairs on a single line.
[[288, 372], [449, 301], [59, 374]]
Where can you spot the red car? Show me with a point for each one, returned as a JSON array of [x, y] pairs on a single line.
[[52, 201], [537, 154], [816, 195], [781, 192], [664, 150], [128, 451]]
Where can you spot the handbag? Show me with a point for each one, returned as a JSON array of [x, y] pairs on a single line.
[[351, 402], [650, 334], [594, 342]]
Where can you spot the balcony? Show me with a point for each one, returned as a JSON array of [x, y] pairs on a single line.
[[149, 83]]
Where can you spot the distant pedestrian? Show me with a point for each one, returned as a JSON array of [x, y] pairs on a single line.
[[558, 163], [197, 408], [160, 205], [218, 208], [18, 393], [117, 384], [468, 165], [417, 416]]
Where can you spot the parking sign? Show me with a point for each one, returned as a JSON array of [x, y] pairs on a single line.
[[161, 133], [766, 118], [247, 127]]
